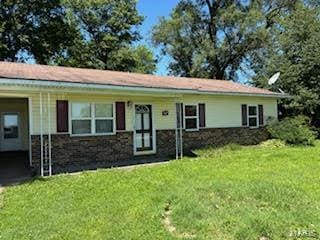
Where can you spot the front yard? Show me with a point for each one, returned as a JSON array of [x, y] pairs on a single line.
[[248, 193]]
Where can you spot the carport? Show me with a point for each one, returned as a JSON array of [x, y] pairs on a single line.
[[14, 139]]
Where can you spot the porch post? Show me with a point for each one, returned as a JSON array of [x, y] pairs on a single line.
[[41, 136], [30, 130], [49, 134]]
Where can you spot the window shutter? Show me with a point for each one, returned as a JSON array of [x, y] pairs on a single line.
[[202, 115], [121, 116], [261, 115], [62, 116], [244, 112]]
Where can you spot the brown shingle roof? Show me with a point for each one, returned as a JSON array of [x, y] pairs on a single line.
[[92, 76]]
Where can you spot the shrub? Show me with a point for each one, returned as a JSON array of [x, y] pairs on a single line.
[[294, 130]]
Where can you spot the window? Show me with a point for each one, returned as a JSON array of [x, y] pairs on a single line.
[[81, 118], [191, 117], [253, 116], [92, 118], [11, 126], [103, 118]]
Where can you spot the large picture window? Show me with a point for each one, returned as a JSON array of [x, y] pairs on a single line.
[[191, 117], [92, 118], [253, 118]]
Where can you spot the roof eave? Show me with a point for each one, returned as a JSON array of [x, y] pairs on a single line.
[[94, 86]]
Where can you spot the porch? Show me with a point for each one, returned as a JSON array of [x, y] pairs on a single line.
[[14, 139], [14, 167]]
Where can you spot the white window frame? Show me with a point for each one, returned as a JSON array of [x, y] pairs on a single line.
[[253, 116], [93, 119], [191, 117]]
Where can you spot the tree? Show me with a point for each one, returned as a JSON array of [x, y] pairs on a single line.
[[107, 31], [212, 38], [32, 29], [92, 34], [296, 54]]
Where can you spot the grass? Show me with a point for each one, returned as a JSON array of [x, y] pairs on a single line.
[[230, 193]]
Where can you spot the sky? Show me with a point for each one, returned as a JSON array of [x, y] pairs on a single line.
[[152, 10]]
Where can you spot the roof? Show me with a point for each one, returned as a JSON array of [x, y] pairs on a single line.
[[22, 71]]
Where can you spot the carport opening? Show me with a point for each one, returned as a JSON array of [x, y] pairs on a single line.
[[14, 138]]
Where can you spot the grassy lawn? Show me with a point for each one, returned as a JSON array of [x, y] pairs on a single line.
[[248, 193]]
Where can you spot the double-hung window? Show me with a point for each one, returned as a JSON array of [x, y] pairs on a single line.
[[191, 117], [104, 122], [253, 117], [92, 118]]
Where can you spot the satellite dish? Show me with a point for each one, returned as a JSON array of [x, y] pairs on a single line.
[[274, 79]]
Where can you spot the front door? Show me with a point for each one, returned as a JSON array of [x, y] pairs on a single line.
[[10, 132], [144, 140]]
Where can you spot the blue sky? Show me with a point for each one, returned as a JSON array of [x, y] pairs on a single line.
[[153, 10]]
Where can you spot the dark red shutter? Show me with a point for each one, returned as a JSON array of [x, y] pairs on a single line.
[[244, 114], [261, 116], [121, 116], [202, 115], [62, 116]]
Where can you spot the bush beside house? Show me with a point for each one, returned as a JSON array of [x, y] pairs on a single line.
[[294, 130]]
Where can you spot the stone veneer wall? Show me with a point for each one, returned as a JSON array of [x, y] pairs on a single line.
[[75, 153], [222, 136], [78, 153], [166, 143]]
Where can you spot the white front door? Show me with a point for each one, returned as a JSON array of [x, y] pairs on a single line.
[[10, 132], [144, 133]]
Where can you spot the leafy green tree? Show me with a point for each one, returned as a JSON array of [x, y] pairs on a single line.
[[212, 38], [93, 34], [107, 31], [32, 29], [295, 52]]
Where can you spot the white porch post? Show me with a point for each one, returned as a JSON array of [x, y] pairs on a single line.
[[179, 130], [41, 135], [49, 134], [30, 130]]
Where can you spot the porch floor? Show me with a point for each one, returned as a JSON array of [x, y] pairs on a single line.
[[14, 167]]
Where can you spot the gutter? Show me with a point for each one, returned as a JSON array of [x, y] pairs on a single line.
[[95, 86]]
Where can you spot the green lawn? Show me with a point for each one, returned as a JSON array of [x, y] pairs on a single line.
[[248, 193]]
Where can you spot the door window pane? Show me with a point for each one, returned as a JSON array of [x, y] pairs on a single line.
[[147, 142], [146, 121], [104, 126], [138, 122], [81, 110], [11, 129], [81, 126], [103, 110], [139, 140]]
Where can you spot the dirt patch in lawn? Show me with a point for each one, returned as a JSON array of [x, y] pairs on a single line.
[[170, 226]]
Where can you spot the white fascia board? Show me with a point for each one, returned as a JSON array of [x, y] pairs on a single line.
[[45, 84]]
